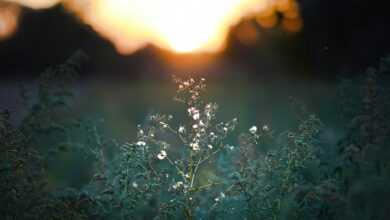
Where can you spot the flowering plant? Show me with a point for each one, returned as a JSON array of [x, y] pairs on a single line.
[[196, 169]]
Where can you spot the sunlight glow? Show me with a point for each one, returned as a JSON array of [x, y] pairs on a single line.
[[9, 16], [178, 25], [181, 26]]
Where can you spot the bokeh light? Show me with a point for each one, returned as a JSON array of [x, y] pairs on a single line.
[[9, 16], [181, 26]]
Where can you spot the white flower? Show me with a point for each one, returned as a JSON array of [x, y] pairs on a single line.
[[196, 116], [162, 155], [201, 123], [163, 124], [181, 129], [187, 175], [195, 126], [212, 136], [210, 146], [135, 184], [220, 197], [225, 129], [195, 146], [192, 111], [253, 129], [141, 143], [265, 128], [177, 185]]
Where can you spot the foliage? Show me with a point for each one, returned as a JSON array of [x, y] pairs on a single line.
[[23, 180], [365, 150], [197, 167]]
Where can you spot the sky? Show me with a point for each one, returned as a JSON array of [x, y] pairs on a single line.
[[338, 37]]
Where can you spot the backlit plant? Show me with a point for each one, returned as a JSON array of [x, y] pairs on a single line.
[[196, 167], [199, 168]]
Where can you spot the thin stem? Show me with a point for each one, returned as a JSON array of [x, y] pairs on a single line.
[[209, 156], [176, 133], [194, 173], [207, 186], [177, 168]]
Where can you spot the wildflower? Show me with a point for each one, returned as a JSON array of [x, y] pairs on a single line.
[[216, 199], [141, 143], [163, 124], [196, 116], [222, 195], [195, 146], [187, 175], [253, 129], [213, 136], [162, 155], [195, 126], [225, 129], [265, 128], [135, 184], [210, 146], [177, 185], [181, 129], [192, 111]]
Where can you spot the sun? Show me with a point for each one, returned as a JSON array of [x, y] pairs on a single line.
[[183, 26]]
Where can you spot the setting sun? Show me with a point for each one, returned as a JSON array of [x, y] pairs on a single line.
[[182, 26]]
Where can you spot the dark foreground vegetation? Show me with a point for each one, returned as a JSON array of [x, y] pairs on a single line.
[[197, 167]]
